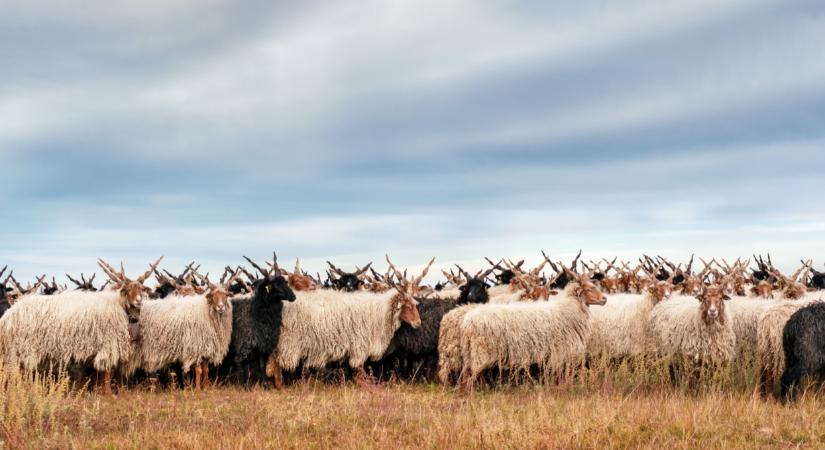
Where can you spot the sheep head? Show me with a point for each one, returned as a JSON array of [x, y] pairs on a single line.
[[583, 288], [505, 276], [299, 281], [817, 279], [84, 284], [660, 290], [712, 304], [474, 289], [4, 289], [691, 285], [132, 292], [273, 287], [348, 281], [217, 295], [404, 302], [762, 289]]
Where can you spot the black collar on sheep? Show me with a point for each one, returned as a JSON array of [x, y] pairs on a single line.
[[273, 287], [348, 281]]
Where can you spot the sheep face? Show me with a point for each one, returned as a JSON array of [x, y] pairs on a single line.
[[408, 306], [133, 293], [473, 291], [817, 280], [712, 304], [610, 285], [762, 289], [218, 299], [739, 286], [348, 282], [660, 291], [691, 285], [274, 289], [638, 285], [795, 291], [589, 293], [301, 283], [163, 290]]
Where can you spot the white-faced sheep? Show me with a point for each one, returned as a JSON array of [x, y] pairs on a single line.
[[192, 331], [516, 336], [75, 326], [354, 327]]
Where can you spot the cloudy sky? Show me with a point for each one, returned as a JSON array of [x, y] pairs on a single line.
[[211, 129]]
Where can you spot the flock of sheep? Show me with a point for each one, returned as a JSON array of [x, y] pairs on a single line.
[[551, 319]]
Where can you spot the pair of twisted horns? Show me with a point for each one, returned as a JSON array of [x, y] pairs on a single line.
[[401, 278], [120, 278], [358, 272], [266, 273]]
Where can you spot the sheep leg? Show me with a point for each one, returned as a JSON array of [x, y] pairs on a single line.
[[260, 374], [767, 382], [246, 372], [790, 379], [277, 375], [198, 375], [468, 384], [363, 379], [106, 388], [205, 366]]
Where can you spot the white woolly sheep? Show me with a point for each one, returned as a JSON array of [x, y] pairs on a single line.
[[75, 326], [699, 331], [191, 330], [619, 329], [515, 336], [322, 327]]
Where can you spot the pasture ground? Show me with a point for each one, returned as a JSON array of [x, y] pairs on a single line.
[[309, 414]]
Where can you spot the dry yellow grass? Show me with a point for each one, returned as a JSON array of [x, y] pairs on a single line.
[[317, 415]]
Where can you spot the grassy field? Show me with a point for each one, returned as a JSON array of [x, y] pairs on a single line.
[[46, 413]]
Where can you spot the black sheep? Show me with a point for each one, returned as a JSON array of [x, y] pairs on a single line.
[[817, 280], [346, 281], [410, 348], [4, 300], [803, 340], [256, 326]]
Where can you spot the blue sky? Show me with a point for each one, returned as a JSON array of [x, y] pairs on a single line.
[[344, 130]]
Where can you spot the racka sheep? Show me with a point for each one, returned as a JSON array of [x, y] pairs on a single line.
[[192, 331], [699, 332], [515, 336], [354, 328], [803, 341], [76, 326], [256, 325], [415, 348]]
